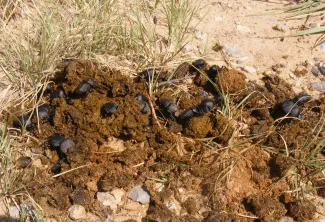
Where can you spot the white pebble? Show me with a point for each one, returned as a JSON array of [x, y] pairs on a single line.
[[286, 219], [321, 220], [201, 36], [106, 199], [13, 212], [77, 212], [281, 27], [139, 194], [322, 47], [218, 18]]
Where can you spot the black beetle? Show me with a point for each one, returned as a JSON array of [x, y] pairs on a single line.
[[205, 106], [58, 93], [83, 88], [44, 112], [187, 114], [290, 108], [55, 140], [23, 121], [147, 74], [56, 168], [108, 109], [168, 106], [141, 97], [302, 98], [213, 71], [66, 144], [199, 64], [144, 107]]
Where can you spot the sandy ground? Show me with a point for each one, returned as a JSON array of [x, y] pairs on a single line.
[[229, 23]]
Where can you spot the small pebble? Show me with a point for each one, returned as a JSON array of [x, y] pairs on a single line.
[[286, 219], [24, 162], [231, 50], [106, 199], [316, 72], [281, 27], [37, 150], [322, 47], [319, 86], [139, 194], [13, 212], [201, 36], [77, 212], [218, 18], [242, 60], [321, 220], [322, 69]]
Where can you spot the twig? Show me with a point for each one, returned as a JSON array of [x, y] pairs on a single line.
[[108, 152], [175, 80], [68, 171], [138, 165], [153, 111], [247, 216]]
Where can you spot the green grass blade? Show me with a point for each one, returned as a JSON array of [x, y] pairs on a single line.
[[309, 31]]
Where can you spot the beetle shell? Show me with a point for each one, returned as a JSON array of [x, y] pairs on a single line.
[[205, 106], [302, 98], [23, 121], [84, 87], [108, 109], [199, 64], [168, 105], [43, 112], [147, 74], [213, 71], [55, 140], [290, 108], [66, 144], [144, 107], [58, 93], [187, 114], [141, 97], [56, 168]]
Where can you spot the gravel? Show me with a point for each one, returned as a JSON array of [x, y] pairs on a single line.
[[139, 194], [77, 212], [319, 86]]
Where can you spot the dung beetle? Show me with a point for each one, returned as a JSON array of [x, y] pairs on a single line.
[[55, 140], [56, 168], [199, 64], [290, 108], [144, 107], [58, 93], [147, 74], [205, 106], [168, 106], [302, 98], [83, 88], [141, 97], [23, 121], [66, 144], [44, 112], [108, 109], [187, 114], [213, 71]]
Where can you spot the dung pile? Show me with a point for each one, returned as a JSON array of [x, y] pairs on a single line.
[[104, 132]]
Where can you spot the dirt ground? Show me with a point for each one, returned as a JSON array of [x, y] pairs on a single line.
[[244, 164]]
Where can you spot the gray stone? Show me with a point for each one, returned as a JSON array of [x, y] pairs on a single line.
[[316, 72], [319, 86], [322, 47], [77, 212], [231, 50], [139, 194]]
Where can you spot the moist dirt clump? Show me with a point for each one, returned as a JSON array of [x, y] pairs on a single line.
[[302, 210], [197, 162]]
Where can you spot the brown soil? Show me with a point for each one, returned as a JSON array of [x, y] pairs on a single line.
[[240, 178]]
